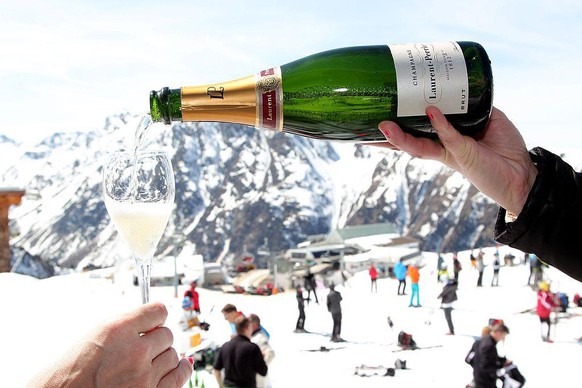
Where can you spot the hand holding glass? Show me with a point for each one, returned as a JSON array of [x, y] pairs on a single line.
[[139, 195]]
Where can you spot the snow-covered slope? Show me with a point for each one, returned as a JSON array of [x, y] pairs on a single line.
[[77, 302]]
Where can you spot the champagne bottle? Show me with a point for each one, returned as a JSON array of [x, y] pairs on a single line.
[[344, 93]]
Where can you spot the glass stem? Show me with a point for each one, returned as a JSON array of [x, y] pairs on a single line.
[[144, 274]]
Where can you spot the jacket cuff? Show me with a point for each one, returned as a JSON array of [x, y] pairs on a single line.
[[509, 233], [549, 222]]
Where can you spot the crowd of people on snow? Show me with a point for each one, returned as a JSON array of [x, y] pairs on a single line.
[[244, 359]]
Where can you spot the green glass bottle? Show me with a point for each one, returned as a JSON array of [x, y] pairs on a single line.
[[343, 94]]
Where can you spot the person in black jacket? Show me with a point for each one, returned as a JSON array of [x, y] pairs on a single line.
[[448, 296], [486, 361], [539, 194], [300, 326], [310, 285], [241, 359], [334, 299]]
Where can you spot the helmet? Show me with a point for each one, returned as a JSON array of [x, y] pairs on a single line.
[[544, 286]]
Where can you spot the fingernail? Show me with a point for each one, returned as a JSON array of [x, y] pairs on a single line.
[[385, 132], [191, 359]]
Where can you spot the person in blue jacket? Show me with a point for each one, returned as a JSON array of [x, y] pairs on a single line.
[[400, 271]]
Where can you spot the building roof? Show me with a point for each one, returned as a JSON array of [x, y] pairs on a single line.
[[357, 231], [10, 196]]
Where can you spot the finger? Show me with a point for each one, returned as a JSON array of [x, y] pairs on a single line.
[[447, 133], [417, 147], [147, 317], [456, 146], [178, 376], [158, 340], [165, 362]]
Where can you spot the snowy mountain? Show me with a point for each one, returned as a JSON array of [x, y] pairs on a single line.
[[236, 186]]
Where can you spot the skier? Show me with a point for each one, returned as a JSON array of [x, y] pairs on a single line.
[[400, 271], [414, 278], [241, 359], [258, 337], [334, 299], [546, 303], [496, 268], [373, 277], [473, 260], [189, 317], [457, 267], [193, 295], [310, 285], [480, 268], [536, 270], [441, 268], [448, 296], [300, 326], [231, 314], [486, 361]]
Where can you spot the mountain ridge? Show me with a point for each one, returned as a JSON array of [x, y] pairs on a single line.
[[235, 187]]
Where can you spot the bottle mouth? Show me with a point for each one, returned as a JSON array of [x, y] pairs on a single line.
[[159, 107]]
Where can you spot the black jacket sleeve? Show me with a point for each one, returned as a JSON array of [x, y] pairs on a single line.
[[549, 224], [488, 361]]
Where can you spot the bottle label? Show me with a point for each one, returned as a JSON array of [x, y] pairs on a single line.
[[269, 89], [430, 74]]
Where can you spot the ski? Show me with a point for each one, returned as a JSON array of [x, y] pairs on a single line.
[[417, 348], [324, 349]]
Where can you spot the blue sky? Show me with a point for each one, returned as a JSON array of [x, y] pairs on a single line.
[[67, 65]]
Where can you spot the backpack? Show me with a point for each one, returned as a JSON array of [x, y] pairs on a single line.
[[470, 357], [405, 341], [512, 377]]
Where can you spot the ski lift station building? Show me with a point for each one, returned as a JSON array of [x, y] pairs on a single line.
[[356, 247]]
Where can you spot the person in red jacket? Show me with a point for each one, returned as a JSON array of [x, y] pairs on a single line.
[[193, 295], [546, 303], [373, 276]]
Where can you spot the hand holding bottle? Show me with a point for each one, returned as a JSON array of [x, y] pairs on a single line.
[[134, 350], [497, 162]]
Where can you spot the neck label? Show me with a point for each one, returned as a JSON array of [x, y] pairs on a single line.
[[269, 90]]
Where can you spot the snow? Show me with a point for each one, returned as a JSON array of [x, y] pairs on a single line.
[[43, 318]]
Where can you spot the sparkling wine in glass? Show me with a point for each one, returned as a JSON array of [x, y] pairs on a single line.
[[139, 193]]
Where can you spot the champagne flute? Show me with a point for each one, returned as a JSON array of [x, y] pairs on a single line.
[[139, 192]]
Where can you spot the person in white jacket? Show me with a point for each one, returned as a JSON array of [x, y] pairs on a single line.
[[262, 340]]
